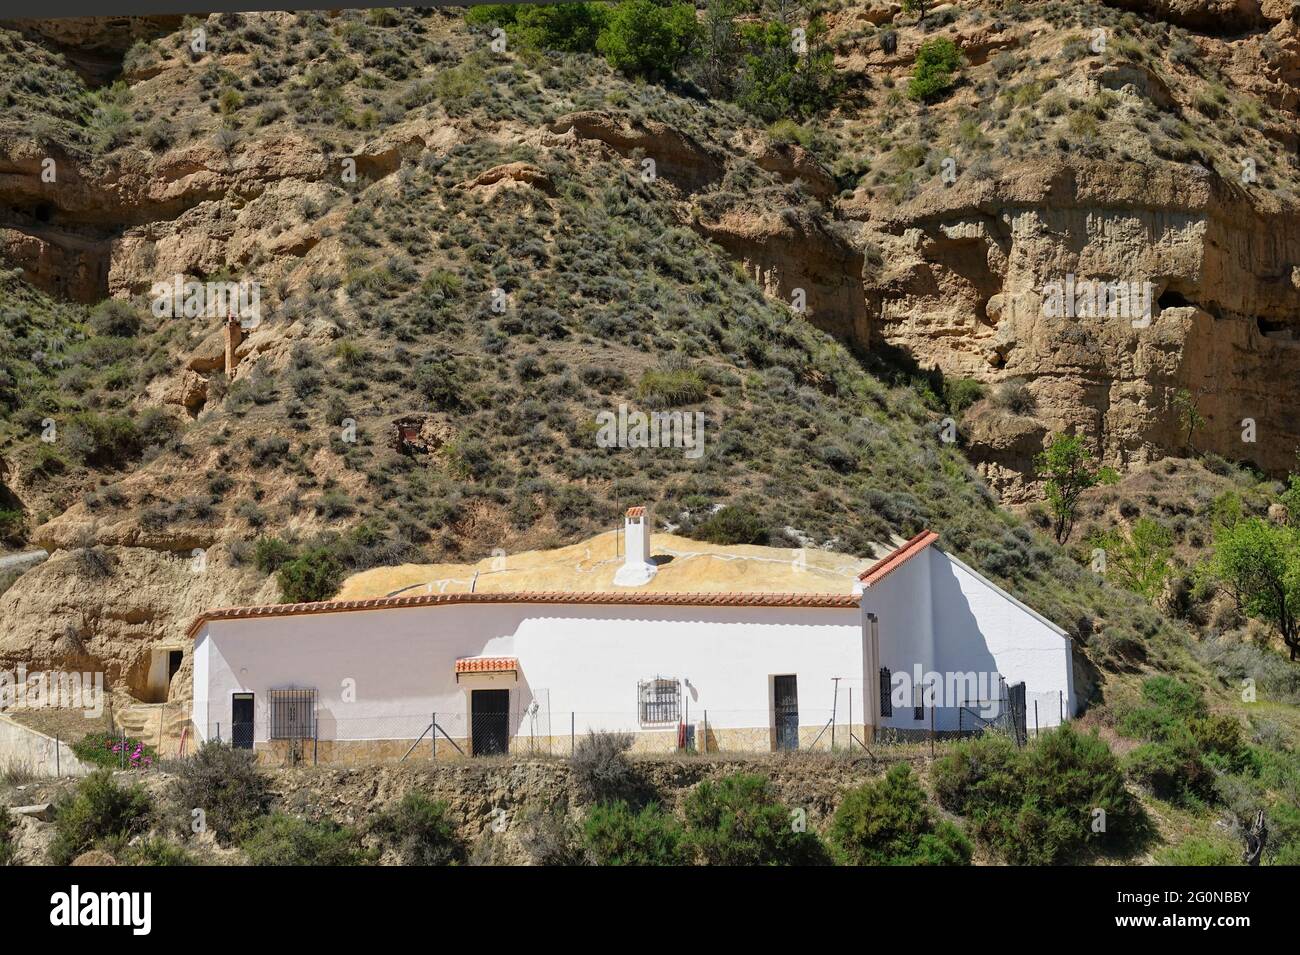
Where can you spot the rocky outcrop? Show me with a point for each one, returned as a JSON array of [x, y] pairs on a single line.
[[677, 157], [792, 253], [964, 292]]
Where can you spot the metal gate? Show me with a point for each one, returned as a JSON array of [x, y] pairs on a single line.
[[786, 698], [490, 716]]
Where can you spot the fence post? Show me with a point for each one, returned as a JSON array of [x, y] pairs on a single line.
[[573, 722], [1060, 703], [57, 771], [932, 720], [1035, 719], [433, 736], [706, 731]]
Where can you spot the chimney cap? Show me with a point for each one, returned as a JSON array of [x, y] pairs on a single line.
[[638, 511]]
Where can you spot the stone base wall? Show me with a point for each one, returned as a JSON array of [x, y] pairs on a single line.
[[719, 740]]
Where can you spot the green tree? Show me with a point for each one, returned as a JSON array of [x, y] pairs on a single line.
[[778, 80], [643, 38], [719, 55], [888, 822], [936, 62], [1189, 417], [316, 575], [1067, 465], [1259, 564], [1139, 560]]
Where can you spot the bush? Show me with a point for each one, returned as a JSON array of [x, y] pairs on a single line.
[[107, 749], [739, 821], [936, 62], [1037, 805], [98, 810], [271, 553], [421, 831], [1196, 850], [960, 393], [114, 319], [280, 839], [7, 825], [889, 823], [600, 770], [1173, 770], [225, 783], [670, 387], [158, 852], [547, 835], [733, 524], [615, 834], [103, 441], [644, 38], [1168, 708], [314, 576]]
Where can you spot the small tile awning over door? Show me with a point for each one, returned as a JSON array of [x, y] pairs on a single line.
[[487, 665]]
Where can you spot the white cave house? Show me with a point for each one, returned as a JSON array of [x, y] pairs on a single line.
[[919, 643]]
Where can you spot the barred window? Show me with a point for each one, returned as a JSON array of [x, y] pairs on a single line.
[[659, 701], [918, 700], [886, 688], [293, 713]]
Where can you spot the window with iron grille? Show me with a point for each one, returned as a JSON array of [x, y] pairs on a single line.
[[918, 700], [659, 701], [293, 713], [886, 687]]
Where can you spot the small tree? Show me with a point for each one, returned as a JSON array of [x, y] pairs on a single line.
[[314, 576], [1259, 564], [936, 62], [1068, 467], [1189, 417], [643, 38], [1138, 561]]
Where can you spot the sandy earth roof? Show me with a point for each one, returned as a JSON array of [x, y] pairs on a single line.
[[685, 566]]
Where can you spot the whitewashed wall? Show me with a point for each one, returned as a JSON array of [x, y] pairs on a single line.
[[581, 659], [979, 627]]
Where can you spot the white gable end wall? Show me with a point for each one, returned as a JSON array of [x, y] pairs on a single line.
[[979, 628]]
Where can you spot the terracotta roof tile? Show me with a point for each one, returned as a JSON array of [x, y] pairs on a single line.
[[486, 664], [818, 601], [636, 512], [890, 562]]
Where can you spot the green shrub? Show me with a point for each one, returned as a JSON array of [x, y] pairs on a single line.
[[1173, 770], [280, 839], [7, 847], [115, 319], [114, 751], [103, 440], [888, 822], [960, 393], [615, 834], [421, 830], [671, 387], [160, 852], [225, 784], [98, 810], [1168, 708], [936, 62], [645, 38], [733, 524], [315, 575], [738, 820], [1039, 805], [271, 553], [1196, 850]]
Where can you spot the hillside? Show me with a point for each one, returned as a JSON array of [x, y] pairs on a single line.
[[467, 245]]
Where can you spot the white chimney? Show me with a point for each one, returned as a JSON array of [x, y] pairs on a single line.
[[637, 568]]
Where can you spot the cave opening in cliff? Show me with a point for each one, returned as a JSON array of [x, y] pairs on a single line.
[[1170, 298]]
